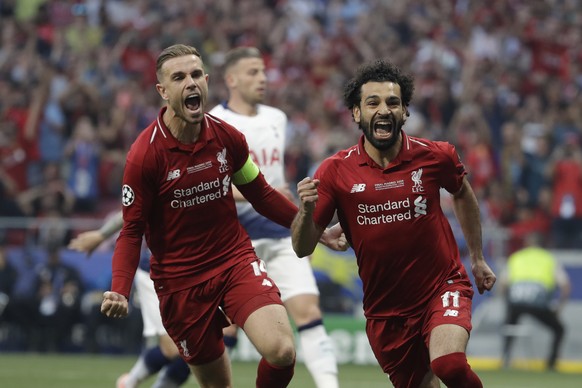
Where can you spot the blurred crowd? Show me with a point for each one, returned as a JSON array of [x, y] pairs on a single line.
[[500, 79]]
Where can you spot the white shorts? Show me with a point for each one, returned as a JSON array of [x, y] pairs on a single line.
[[149, 304], [293, 276]]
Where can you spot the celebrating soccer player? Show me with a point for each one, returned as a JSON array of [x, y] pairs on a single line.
[[417, 294], [177, 190]]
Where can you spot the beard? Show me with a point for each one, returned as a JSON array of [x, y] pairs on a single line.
[[381, 144]]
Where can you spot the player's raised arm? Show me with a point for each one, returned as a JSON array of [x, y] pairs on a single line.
[[305, 233]]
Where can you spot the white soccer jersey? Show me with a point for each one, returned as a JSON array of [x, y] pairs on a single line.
[[265, 134]]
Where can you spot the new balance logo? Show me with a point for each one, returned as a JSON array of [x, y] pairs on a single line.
[[451, 313], [358, 188], [267, 282], [173, 174]]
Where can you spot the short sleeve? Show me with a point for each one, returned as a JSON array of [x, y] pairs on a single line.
[[452, 170]]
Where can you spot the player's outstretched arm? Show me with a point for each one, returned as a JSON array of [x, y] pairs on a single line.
[[467, 212], [305, 233], [88, 241], [114, 305]]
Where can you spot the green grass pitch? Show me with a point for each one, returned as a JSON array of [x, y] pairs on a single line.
[[27, 370]]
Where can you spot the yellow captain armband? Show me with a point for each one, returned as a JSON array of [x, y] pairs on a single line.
[[246, 174]]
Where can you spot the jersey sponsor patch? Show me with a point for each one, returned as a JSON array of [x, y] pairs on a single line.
[[420, 206], [127, 195]]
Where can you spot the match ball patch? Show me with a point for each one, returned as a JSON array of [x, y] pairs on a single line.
[[127, 195]]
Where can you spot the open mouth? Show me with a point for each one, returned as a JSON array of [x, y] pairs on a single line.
[[192, 102], [383, 129]]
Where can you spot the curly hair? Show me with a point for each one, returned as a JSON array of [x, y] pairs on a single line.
[[378, 71]]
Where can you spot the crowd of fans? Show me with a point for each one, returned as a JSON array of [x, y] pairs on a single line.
[[500, 79]]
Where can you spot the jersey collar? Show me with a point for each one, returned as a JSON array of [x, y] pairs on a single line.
[[206, 134], [405, 154]]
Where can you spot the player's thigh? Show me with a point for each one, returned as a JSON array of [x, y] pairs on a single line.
[[447, 339], [447, 322], [149, 304], [400, 350], [194, 321], [168, 347], [269, 330], [252, 302], [248, 288], [293, 276]]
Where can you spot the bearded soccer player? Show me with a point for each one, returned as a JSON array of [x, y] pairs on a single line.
[[177, 191], [264, 128], [417, 294]]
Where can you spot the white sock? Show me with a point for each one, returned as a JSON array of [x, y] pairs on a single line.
[[162, 381], [319, 356], [138, 373]]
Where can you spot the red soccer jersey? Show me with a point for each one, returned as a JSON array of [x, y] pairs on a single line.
[[392, 218], [180, 196]]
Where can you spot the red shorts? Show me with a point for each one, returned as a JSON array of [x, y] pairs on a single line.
[[193, 319], [400, 344]]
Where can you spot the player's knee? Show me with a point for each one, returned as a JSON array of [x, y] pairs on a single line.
[[450, 367], [282, 354]]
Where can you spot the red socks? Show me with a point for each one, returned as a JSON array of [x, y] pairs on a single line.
[[272, 376], [453, 370]]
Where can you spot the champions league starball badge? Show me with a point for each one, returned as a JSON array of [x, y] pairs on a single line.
[[127, 195]]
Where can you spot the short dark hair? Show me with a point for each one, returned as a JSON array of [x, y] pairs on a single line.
[[175, 51], [236, 54], [378, 71]]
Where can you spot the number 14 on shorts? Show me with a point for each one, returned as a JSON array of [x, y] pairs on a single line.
[[259, 268]]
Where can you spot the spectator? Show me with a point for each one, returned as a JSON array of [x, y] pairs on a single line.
[[83, 154], [8, 278], [528, 284], [565, 171], [58, 288], [51, 196], [533, 178]]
